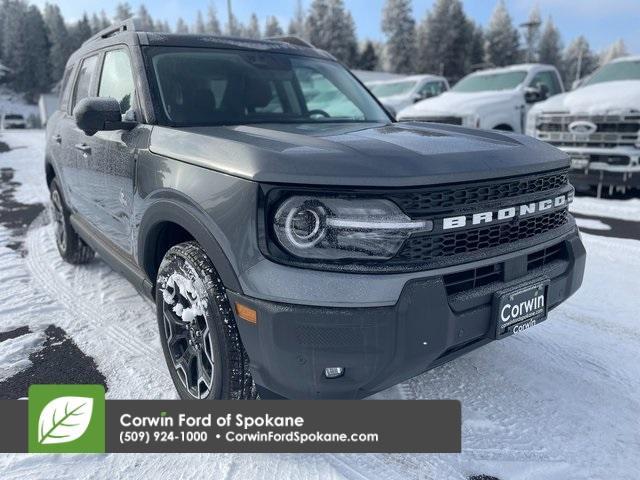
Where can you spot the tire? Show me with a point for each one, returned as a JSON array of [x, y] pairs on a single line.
[[71, 247], [198, 332]]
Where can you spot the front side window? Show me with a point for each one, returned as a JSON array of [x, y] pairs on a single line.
[[548, 81], [626, 70], [85, 77], [116, 80], [481, 82], [431, 89], [223, 87]]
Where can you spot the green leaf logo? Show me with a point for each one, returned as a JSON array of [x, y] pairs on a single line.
[[64, 419]]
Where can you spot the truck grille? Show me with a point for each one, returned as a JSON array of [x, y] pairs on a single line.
[[612, 130], [426, 248], [423, 203]]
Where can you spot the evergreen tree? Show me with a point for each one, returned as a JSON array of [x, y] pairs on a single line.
[[253, 28], [297, 23], [368, 59], [36, 49], [550, 46], [502, 39], [14, 49], [199, 27], [476, 50], [330, 27], [163, 26], [59, 40], [272, 28], [615, 50], [399, 27], [213, 25], [144, 19], [123, 11], [181, 26], [578, 60], [80, 32], [445, 40]]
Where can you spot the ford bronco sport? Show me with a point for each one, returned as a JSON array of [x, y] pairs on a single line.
[[296, 240]]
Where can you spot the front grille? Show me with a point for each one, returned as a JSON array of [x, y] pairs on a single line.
[[420, 203], [448, 120], [611, 131], [546, 256], [474, 278], [427, 248]]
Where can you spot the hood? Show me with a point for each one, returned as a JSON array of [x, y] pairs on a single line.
[[357, 154], [461, 103], [595, 99]]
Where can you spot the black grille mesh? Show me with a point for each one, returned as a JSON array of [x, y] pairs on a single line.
[[427, 201], [431, 247]]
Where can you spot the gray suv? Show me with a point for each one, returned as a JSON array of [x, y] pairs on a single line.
[[297, 241]]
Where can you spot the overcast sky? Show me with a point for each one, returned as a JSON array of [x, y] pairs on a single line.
[[601, 21]]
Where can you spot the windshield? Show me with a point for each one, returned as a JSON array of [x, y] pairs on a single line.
[[616, 71], [12, 116], [392, 88], [227, 87], [490, 81]]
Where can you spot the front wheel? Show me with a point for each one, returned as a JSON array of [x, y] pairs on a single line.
[[198, 332]]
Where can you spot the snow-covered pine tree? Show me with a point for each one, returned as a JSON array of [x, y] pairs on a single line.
[[144, 17], [476, 50], [550, 46], [578, 60], [297, 23], [36, 51], [123, 11], [445, 39], [181, 26], [59, 41], [502, 40], [272, 27], [399, 27], [199, 26], [213, 25], [368, 59], [252, 29], [615, 50], [79, 32], [330, 26]]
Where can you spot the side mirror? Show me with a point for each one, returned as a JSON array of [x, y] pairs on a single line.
[[95, 114], [532, 94], [417, 97]]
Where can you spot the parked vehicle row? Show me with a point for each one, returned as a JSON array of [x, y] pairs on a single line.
[[11, 121]]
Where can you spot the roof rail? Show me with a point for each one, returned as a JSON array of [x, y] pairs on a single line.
[[291, 39], [130, 24]]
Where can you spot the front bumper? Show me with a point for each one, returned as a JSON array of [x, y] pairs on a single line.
[[604, 167], [291, 345]]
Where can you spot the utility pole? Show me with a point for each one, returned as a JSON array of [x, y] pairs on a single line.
[[531, 27], [230, 19], [579, 65]]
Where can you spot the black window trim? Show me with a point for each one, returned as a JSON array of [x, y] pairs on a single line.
[[72, 100]]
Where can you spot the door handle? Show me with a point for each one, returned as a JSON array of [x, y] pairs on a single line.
[[57, 138], [83, 147]]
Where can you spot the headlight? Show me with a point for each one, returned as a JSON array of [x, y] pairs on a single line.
[[530, 128], [472, 120], [332, 228]]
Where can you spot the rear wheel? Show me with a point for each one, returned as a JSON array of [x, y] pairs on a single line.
[[198, 332], [71, 247]]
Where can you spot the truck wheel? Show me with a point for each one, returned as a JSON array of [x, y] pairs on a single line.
[[198, 331], [71, 247]]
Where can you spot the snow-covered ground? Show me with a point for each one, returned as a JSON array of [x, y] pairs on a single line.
[[561, 401]]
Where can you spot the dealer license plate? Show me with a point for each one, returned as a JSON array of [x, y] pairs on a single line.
[[520, 308]]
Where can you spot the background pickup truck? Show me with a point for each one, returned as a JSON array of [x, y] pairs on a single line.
[[492, 99], [598, 125]]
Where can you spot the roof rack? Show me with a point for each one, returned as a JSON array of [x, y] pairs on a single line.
[[291, 39], [131, 24]]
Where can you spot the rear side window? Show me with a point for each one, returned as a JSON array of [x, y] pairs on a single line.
[[63, 101], [83, 83], [117, 79]]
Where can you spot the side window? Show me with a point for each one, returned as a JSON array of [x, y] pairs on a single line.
[[549, 80], [117, 79], [83, 83], [63, 99], [322, 96], [430, 89]]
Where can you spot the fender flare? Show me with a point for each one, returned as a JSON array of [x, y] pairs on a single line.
[[195, 223]]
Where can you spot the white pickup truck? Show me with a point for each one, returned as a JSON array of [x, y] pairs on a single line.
[[494, 99], [598, 124], [398, 94]]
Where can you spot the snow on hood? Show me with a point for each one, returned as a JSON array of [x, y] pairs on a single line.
[[595, 99], [460, 103]]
